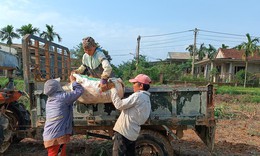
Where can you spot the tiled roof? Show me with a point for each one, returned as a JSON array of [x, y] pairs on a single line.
[[234, 54], [179, 55]]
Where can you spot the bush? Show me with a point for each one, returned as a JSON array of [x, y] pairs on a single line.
[[240, 77], [190, 78]]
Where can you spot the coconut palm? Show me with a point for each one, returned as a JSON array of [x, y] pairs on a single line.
[[28, 29], [8, 34], [192, 50], [250, 48], [202, 52], [211, 52], [223, 46], [50, 34]]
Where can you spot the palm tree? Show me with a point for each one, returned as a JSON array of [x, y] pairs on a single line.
[[192, 50], [28, 29], [50, 34], [223, 46], [250, 48], [202, 52], [7, 33], [211, 52]]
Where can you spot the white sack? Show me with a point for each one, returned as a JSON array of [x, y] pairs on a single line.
[[92, 93]]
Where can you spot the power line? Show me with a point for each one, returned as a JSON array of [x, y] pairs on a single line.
[[123, 50], [167, 34], [217, 36], [163, 43], [169, 39], [163, 47], [121, 55], [222, 33], [222, 40]]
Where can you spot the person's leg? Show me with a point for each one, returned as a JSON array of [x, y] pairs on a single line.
[[130, 148], [63, 150], [119, 146], [54, 150]]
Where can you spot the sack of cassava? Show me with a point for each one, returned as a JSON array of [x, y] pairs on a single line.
[[93, 93]]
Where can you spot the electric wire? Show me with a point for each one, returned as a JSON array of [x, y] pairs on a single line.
[[166, 34]]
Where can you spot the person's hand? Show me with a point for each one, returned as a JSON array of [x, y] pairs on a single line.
[[108, 85], [74, 72], [72, 78], [111, 85], [103, 87]]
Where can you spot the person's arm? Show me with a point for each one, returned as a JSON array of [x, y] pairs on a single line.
[[122, 104], [77, 91], [80, 70], [107, 69]]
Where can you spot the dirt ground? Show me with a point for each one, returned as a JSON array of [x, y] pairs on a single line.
[[237, 134]]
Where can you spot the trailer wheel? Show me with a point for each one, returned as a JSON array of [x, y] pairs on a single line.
[[152, 143]]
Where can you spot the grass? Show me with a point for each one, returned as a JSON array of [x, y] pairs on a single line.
[[237, 90], [242, 102], [251, 95], [224, 110]]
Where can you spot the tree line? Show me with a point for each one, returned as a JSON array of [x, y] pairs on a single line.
[[8, 33], [161, 71]]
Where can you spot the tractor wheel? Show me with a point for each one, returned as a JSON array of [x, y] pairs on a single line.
[[19, 118], [5, 133], [152, 143]]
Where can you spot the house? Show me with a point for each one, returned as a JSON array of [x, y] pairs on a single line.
[[178, 57], [227, 62], [8, 58], [4, 47]]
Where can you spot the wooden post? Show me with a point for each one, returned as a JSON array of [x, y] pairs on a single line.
[[47, 61], [56, 62]]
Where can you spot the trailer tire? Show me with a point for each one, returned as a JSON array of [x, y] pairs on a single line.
[[153, 143]]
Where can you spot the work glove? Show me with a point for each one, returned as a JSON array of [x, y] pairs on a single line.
[[106, 86], [103, 81]]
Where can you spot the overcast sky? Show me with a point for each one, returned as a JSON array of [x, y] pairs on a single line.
[[164, 26]]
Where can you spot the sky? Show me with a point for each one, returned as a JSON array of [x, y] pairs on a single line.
[[164, 26]]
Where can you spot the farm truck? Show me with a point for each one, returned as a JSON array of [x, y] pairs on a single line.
[[174, 108]]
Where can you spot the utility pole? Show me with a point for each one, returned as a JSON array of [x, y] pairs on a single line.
[[137, 50], [193, 51]]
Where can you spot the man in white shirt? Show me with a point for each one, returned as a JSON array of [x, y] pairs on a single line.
[[135, 111]]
